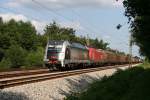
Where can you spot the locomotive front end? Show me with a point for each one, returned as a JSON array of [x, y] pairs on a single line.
[[54, 53]]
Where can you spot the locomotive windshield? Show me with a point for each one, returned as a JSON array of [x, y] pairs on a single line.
[[54, 48], [53, 52]]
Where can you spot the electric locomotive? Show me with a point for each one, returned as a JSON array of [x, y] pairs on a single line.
[[65, 54]]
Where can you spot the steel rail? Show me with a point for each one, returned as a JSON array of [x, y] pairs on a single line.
[[22, 73]]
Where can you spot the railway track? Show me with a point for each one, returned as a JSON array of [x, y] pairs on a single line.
[[23, 73], [20, 78]]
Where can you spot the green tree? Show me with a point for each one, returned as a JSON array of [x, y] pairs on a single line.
[[138, 13], [100, 44], [35, 58], [42, 40], [54, 32], [16, 55], [28, 37], [4, 44], [22, 33], [17, 32]]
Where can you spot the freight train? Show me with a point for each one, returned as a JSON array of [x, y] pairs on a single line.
[[65, 54]]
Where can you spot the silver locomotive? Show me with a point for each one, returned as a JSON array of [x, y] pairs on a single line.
[[64, 53]]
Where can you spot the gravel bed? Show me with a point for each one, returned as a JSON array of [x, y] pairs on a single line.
[[55, 89]]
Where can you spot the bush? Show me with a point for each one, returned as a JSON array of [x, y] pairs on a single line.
[[16, 55], [35, 58], [5, 64], [146, 64], [1, 54]]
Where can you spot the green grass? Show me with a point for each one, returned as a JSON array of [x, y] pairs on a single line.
[[145, 64], [131, 84]]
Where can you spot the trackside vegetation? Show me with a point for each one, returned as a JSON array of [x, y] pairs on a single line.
[[145, 64], [130, 84]]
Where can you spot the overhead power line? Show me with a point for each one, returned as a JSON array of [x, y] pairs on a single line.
[[87, 22], [51, 10], [58, 14]]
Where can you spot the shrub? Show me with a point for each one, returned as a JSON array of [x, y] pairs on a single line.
[[35, 58], [16, 55], [146, 64], [1, 54], [5, 64]]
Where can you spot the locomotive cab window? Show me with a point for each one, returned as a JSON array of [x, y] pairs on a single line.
[[53, 52]]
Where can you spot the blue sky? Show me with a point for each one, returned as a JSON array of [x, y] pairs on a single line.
[[98, 18]]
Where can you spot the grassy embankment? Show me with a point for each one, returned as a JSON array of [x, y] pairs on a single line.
[[131, 84]]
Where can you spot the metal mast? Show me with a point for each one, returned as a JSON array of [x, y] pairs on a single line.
[[130, 50]]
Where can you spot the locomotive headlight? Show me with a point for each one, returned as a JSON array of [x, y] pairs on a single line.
[[46, 60], [50, 46], [61, 55]]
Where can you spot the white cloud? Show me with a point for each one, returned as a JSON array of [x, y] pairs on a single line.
[[56, 4], [12, 4], [38, 25], [8, 16], [118, 4]]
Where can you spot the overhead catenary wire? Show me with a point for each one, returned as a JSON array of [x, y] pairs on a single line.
[[51, 10], [87, 22], [64, 17]]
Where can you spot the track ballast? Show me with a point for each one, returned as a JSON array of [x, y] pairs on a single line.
[[20, 78]]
